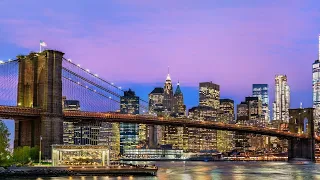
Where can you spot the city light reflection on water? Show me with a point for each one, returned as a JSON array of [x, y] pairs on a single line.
[[215, 170]]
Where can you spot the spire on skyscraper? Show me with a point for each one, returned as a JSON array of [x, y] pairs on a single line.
[[168, 76], [178, 90]]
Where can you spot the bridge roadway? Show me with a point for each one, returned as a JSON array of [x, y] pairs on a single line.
[[14, 112]]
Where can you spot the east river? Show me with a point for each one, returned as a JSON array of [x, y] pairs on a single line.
[[181, 170]]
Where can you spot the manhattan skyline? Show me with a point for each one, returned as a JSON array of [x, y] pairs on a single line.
[[136, 41]]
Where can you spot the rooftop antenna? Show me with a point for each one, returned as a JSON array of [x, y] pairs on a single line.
[[169, 68]]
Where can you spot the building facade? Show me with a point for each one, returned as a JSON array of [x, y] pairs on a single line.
[[316, 91], [90, 132], [209, 106], [249, 113], [209, 95], [156, 101], [164, 103], [281, 104], [261, 91], [155, 108], [168, 95], [179, 109], [225, 139], [129, 133]]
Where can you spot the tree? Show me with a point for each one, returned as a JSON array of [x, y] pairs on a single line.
[[25, 155], [4, 144]]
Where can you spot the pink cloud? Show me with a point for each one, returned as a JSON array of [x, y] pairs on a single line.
[[234, 47]]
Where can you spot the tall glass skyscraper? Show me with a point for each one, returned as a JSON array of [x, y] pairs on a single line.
[[281, 103], [261, 91], [316, 90]]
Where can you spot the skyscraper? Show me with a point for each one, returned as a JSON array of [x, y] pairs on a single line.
[[261, 91], [168, 95], [225, 115], [90, 132], [281, 104], [209, 95], [209, 105], [129, 133], [170, 134], [179, 108], [155, 107], [316, 90], [249, 113], [156, 101]]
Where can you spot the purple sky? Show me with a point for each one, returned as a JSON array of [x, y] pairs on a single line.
[[232, 43]]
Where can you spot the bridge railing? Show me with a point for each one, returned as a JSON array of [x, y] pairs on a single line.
[[187, 122], [19, 110]]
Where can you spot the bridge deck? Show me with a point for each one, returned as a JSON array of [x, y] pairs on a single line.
[[12, 112]]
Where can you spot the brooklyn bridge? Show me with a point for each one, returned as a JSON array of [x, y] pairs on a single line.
[[38, 82]]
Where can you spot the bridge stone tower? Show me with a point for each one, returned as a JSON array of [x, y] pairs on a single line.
[[40, 86], [301, 121]]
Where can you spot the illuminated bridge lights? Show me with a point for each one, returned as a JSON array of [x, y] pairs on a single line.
[[9, 111]]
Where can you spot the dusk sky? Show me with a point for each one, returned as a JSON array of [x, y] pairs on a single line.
[[132, 42]]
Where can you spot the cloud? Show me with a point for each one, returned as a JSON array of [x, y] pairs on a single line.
[[232, 46]]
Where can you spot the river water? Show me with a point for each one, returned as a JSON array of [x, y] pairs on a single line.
[[215, 170]]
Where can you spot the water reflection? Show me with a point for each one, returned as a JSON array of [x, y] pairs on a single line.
[[215, 170]]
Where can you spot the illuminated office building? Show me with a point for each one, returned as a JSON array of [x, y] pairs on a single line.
[[209, 105], [156, 101], [249, 113], [316, 90], [261, 91], [171, 135], [202, 139], [156, 108], [129, 133], [209, 95], [241, 140], [90, 132], [168, 95], [225, 139], [254, 111], [179, 109], [282, 99], [163, 102]]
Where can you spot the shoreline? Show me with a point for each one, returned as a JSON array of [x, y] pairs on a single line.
[[223, 160], [78, 171]]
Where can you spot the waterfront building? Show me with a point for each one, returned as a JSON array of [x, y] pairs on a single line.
[[241, 140], [156, 108], [129, 133], [209, 105], [261, 91], [250, 113], [282, 99], [79, 155], [153, 154], [164, 103], [171, 135], [91, 132], [202, 139], [225, 139]]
